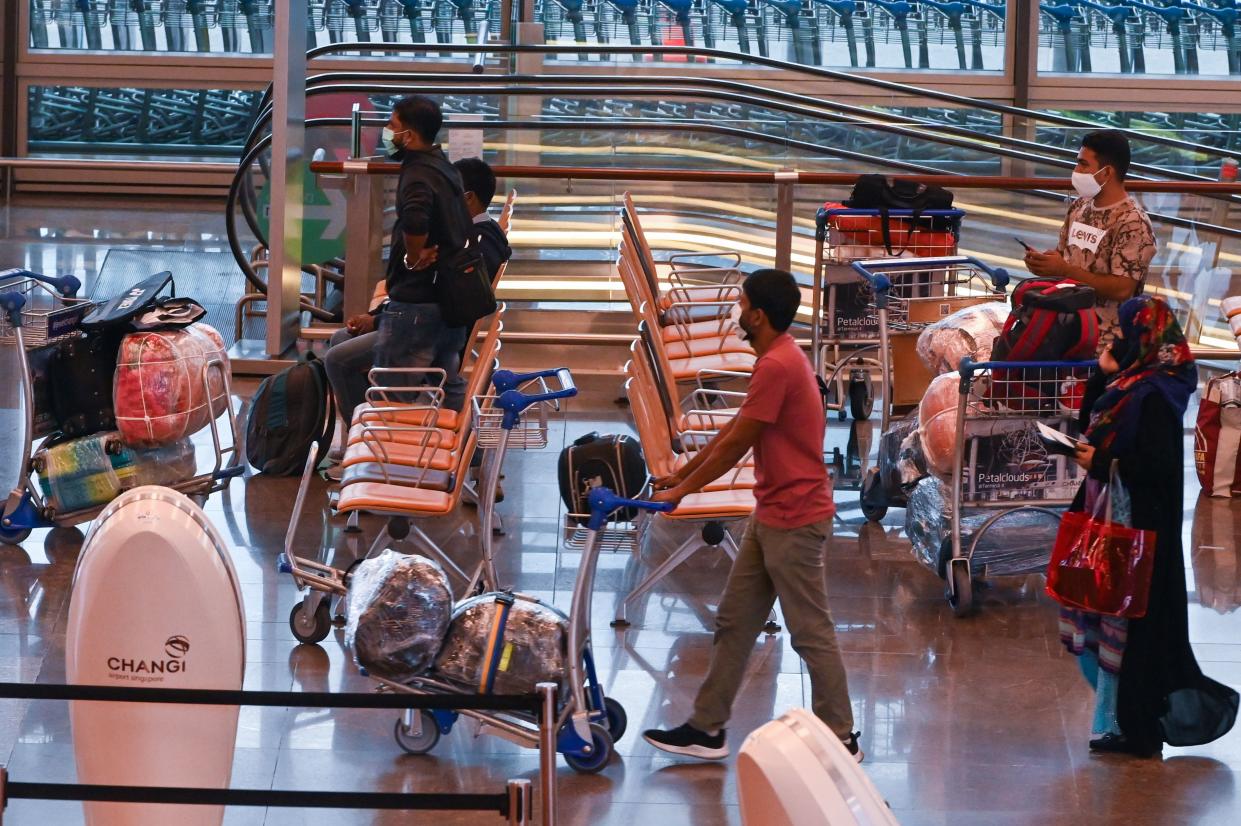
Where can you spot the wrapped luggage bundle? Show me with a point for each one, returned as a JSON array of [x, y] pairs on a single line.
[[900, 457], [93, 470], [968, 332], [937, 422], [1018, 543], [397, 612], [504, 643], [159, 392]]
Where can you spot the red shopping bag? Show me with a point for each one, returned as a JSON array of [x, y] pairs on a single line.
[[1100, 566]]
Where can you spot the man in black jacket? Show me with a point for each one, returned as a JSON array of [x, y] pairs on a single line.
[[480, 188], [432, 221]]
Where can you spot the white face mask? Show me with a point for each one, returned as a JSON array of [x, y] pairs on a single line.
[[389, 140], [1086, 185]]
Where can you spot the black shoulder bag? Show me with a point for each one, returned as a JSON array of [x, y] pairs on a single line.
[[462, 283]]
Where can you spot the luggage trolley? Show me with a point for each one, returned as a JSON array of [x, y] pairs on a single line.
[[847, 329], [588, 723], [39, 310], [509, 418], [910, 294], [1000, 464]]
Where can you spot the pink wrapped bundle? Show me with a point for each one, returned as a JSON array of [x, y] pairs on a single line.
[[159, 390], [937, 422], [968, 332]]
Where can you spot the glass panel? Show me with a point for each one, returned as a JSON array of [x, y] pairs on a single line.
[[962, 36], [565, 231], [1216, 136], [186, 123], [1140, 38], [245, 26]]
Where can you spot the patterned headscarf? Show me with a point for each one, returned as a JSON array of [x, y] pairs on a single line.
[[1154, 357]]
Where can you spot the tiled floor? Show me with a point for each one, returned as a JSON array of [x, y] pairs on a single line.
[[976, 721]]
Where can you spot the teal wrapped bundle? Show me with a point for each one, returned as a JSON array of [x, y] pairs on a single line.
[[86, 472]]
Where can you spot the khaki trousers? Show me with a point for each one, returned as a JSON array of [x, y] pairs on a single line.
[[785, 563]]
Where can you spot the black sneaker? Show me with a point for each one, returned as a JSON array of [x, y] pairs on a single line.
[[852, 745], [688, 741]]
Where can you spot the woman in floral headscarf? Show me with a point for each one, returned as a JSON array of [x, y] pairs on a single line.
[[1150, 690]]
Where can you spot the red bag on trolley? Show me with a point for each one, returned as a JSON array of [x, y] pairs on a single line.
[[861, 236], [163, 390], [1101, 566]]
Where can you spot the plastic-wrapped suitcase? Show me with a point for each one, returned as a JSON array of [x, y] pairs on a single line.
[[161, 387], [398, 612], [794, 771], [85, 472], [504, 643], [93, 470]]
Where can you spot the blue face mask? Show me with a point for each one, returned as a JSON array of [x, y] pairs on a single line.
[[389, 141]]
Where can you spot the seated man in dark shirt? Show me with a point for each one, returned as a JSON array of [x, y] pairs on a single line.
[[480, 188], [431, 221]]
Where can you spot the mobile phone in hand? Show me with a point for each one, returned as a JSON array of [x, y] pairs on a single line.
[[1027, 247]]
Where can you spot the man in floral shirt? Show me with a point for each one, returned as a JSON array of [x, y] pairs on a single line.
[[1106, 241]]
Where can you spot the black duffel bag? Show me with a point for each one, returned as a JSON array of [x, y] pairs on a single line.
[[884, 194]]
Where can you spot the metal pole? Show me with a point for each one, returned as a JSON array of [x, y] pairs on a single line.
[[520, 803], [547, 752], [363, 237], [288, 160], [1022, 32], [785, 182]]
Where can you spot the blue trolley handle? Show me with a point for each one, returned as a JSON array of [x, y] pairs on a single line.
[[66, 285], [603, 502], [11, 305], [969, 367], [503, 380], [513, 402], [872, 270]]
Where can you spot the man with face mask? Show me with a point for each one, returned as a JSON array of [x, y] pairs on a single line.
[[431, 220], [1106, 242], [782, 552]]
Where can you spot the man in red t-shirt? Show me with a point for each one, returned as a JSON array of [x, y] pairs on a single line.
[[781, 554]]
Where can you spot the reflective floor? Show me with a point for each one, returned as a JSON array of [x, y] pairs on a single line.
[[981, 720], [976, 721]]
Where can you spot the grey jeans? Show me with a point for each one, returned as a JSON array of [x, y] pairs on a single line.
[[347, 361], [785, 563]]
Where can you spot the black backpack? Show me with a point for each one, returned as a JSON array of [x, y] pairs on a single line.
[[289, 413], [878, 192], [1052, 320], [613, 461]]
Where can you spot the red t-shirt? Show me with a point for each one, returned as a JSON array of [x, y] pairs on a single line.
[[792, 487]]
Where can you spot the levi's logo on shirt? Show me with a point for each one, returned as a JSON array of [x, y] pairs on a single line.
[[1085, 236]]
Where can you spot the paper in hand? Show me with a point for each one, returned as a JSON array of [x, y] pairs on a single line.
[[1056, 441]]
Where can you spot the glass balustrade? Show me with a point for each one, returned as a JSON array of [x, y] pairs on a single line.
[[1176, 37], [145, 123]]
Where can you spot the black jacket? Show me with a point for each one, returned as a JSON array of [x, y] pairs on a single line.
[[1164, 697], [492, 244], [430, 201]]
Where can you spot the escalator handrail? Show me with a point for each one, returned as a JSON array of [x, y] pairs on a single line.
[[723, 90], [610, 173], [861, 115], [817, 71]]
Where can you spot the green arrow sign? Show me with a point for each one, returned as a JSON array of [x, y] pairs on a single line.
[[323, 220]]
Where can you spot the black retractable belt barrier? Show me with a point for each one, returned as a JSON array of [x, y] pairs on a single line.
[[515, 803]]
